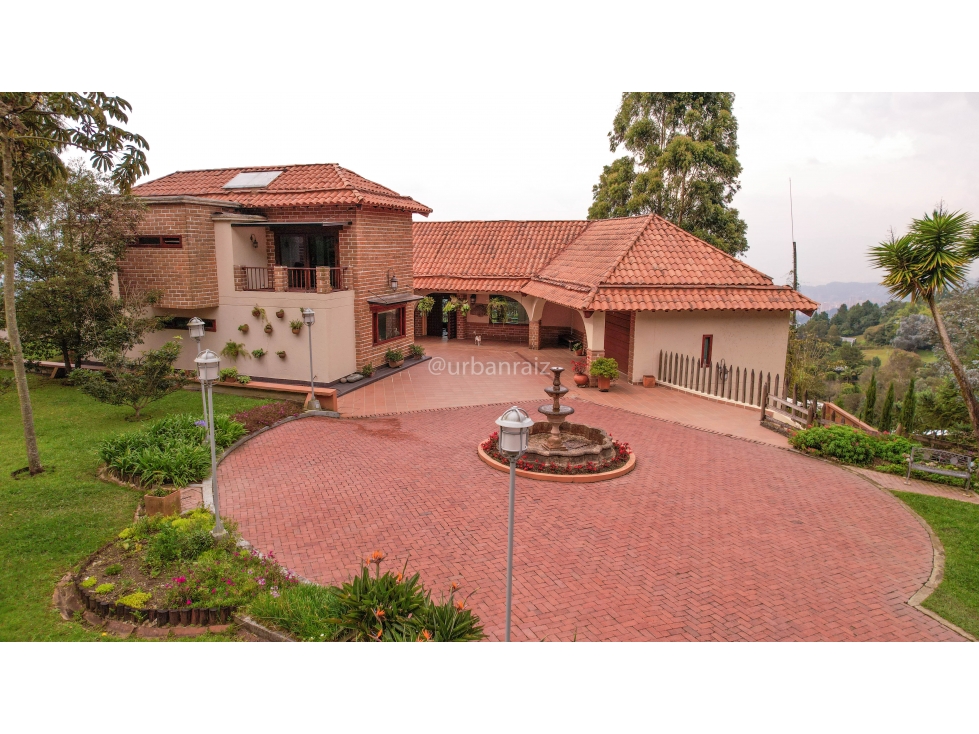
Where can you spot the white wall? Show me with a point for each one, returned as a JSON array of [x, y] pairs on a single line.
[[748, 339]]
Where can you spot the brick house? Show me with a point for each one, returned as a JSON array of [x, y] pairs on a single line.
[[218, 243], [629, 288]]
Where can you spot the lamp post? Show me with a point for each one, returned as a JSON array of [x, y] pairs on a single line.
[[514, 434], [309, 318], [196, 327], [208, 366]]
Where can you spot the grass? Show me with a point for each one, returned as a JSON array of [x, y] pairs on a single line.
[[884, 354], [957, 526], [51, 522]]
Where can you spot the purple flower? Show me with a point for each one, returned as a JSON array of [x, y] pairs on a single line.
[[261, 582], [202, 424]]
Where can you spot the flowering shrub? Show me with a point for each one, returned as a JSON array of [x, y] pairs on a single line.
[[622, 453], [221, 577], [266, 415], [579, 367]]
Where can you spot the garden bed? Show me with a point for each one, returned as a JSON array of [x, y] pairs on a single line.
[[623, 462]]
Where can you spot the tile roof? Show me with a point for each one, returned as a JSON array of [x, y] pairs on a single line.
[[633, 263], [302, 185], [469, 285]]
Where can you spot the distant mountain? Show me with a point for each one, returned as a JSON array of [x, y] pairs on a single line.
[[833, 295]]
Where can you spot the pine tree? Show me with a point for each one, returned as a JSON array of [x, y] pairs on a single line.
[[887, 412], [871, 401], [908, 406]]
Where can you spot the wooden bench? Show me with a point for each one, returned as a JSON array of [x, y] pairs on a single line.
[[326, 395], [964, 464], [57, 368], [567, 339]]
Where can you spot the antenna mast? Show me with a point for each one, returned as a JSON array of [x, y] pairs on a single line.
[[795, 255]]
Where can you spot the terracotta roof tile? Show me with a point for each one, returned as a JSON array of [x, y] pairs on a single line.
[[304, 185], [469, 285], [694, 298]]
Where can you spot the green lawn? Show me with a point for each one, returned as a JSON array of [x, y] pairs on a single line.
[[53, 521], [957, 525], [884, 353]]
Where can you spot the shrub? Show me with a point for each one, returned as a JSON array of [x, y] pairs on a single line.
[[89, 582], [266, 415], [104, 588], [394, 355], [416, 350], [367, 370], [180, 539], [605, 367], [136, 600], [114, 570], [243, 379], [852, 446], [227, 374]]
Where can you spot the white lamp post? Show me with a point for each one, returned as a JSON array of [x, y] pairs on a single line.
[[309, 318], [514, 435], [208, 366], [196, 327]]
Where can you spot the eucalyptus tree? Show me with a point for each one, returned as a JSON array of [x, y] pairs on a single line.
[[930, 260], [35, 128]]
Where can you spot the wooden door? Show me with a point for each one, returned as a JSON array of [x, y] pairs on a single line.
[[618, 337]]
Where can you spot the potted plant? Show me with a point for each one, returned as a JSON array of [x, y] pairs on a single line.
[[259, 353], [296, 325], [464, 308], [243, 379], [268, 328], [580, 373], [416, 350], [367, 370], [243, 328], [233, 350], [228, 374], [425, 305], [280, 314], [258, 312], [394, 357], [578, 349], [605, 369], [162, 501], [281, 354]]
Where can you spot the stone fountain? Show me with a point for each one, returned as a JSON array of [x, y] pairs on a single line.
[[556, 413]]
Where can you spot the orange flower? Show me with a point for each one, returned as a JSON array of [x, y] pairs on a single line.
[[379, 613], [377, 556], [454, 586], [398, 578], [461, 604], [425, 636]]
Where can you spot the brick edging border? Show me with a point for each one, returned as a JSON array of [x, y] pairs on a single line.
[[566, 478]]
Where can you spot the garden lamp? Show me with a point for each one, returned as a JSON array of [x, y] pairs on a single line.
[[514, 436], [196, 327], [208, 367], [309, 318]]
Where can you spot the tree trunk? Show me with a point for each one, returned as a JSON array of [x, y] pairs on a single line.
[[13, 332], [957, 368], [67, 358]]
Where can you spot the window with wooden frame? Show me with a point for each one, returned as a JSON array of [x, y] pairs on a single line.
[[389, 323], [706, 349], [158, 240]]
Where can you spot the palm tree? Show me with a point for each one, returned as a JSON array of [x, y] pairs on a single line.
[[931, 258]]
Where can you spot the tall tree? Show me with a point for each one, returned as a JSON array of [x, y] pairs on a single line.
[[886, 422], [70, 247], [682, 165], [35, 127], [932, 258], [871, 401], [908, 408]]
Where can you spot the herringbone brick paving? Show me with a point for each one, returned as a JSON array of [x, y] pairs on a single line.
[[710, 538]]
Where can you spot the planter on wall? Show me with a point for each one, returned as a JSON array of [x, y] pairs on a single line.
[[169, 505], [280, 314], [243, 328], [268, 328], [296, 331]]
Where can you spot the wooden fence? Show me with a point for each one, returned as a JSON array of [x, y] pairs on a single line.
[[735, 383]]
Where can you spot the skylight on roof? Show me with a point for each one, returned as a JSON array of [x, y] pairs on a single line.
[[252, 180]]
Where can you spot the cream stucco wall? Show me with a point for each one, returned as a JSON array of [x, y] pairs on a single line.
[[749, 339], [334, 354]]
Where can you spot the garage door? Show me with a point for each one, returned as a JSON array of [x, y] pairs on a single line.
[[617, 337]]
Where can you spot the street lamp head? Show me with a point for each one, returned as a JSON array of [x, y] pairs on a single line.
[[515, 427], [309, 316], [196, 327], [208, 365]]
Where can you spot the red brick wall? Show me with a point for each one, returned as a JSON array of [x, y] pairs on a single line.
[[519, 333], [186, 276]]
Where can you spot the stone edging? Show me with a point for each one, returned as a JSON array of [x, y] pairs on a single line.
[[261, 631], [937, 562], [566, 478]]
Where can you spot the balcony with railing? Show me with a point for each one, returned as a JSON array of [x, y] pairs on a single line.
[[297, 280]]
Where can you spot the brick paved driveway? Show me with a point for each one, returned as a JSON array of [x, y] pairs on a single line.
[[711, 538]]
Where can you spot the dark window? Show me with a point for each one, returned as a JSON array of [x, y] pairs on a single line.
[[389, 324], [180, 323], [296, 248], [504, 310], [158, 240], [706, 347]]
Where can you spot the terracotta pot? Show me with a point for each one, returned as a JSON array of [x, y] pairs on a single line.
[[169, 505], [296, 331], [604, 383], [396, 364], [649, 381], [268, 328], [243, 328], [581, 380], [580, 353], [281, 355], [280, 314]]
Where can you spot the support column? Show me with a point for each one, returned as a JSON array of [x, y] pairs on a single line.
[[533, 342], [280, 277], [323, 280], [240, 277], [595, 337]]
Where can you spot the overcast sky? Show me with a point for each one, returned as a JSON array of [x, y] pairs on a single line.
[[859, 163]]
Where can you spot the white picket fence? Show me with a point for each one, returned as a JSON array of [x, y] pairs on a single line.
[[736, 383]]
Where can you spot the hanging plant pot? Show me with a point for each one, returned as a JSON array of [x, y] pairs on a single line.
[[268, 328], [280, 314], [282, 354], [296, 331], [256, 312], [243, 328]]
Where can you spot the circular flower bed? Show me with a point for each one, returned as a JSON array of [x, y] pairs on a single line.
[[623, 455]]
